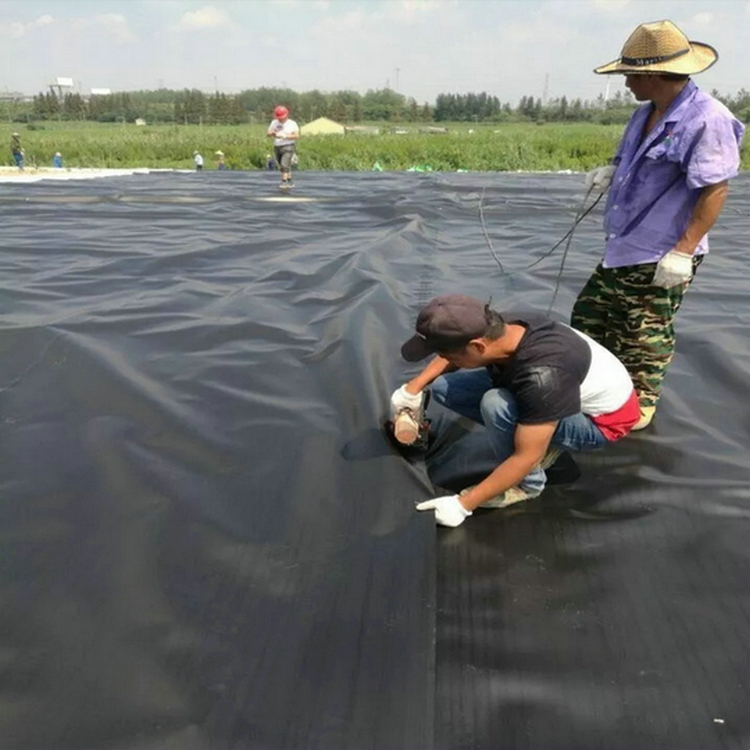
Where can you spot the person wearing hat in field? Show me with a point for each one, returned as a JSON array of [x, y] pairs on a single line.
[[198, 160], [667, 186], [220, 163], [538, 386], [285, 133]]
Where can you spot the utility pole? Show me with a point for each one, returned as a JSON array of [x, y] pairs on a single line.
[[398, 70], [545, 96]]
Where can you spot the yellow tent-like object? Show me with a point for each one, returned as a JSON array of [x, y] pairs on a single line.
[[322, 126]]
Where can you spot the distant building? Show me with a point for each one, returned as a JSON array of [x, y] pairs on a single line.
[[363, 129], [322, 126]]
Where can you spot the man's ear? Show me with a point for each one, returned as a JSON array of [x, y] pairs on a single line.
[[477, 346]]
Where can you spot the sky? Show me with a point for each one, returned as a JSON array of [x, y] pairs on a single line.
[[420, 48]]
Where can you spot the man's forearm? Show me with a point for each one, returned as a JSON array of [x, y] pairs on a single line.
[[435, 369], [706, 211]]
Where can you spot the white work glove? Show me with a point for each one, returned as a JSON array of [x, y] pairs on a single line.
[[402, 399], [673, 269], [448, 510], [599, 179]]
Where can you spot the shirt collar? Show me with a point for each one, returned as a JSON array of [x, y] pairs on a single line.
[[687, 92], [672, 115]]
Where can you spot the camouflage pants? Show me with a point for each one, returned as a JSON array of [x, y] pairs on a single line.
[[623, 311]]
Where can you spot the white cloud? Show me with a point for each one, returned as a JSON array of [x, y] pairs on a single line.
[[18, 30], [112, 26], [207, 17], [380, 24], [703, 19], [411, 12], [115, 26], [610, 5], [334, 26]]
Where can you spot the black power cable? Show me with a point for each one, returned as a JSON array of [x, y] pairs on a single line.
[[581, 214]]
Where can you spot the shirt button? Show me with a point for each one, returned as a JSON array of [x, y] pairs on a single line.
[[612, 235], [615, 208]]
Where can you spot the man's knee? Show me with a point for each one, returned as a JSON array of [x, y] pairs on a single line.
[[439, 390], [497, 405]]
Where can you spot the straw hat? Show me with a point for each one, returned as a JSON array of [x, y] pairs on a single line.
[[219, 153], [661, 47]]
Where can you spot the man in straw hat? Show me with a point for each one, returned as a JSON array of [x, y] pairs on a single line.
[[537, 385], [669, 181]]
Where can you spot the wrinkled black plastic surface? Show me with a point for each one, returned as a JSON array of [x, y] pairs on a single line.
[[207, 541]]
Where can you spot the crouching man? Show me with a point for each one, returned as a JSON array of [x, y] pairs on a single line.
[[537, 385]]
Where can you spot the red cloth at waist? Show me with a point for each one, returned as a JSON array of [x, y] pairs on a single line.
[[617, 424]]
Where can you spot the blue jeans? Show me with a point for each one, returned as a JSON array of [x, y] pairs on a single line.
[[471, 394]]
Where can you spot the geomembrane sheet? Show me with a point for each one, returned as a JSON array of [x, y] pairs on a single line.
[[207, 542]]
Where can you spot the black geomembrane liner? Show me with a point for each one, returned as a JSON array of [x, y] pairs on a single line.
[[208, 541]]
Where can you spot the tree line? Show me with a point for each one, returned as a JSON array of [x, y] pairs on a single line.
[[190, 106]]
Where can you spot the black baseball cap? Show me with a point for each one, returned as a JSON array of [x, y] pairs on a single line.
[[446, 323]]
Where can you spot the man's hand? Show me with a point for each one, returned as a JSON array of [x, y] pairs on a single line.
[[673, 269], [448, 510], [402, 399], [599, 179]]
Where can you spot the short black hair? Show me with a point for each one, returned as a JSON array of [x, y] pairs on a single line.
[[495, 325]]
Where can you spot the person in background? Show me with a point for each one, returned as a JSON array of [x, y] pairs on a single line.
[[285, 133], [270, 163], [221, 164], [57, 161], [669, 181], [16, 150], [198, 159]]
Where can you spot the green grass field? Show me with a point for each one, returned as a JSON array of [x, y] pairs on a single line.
[[509, 147]]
